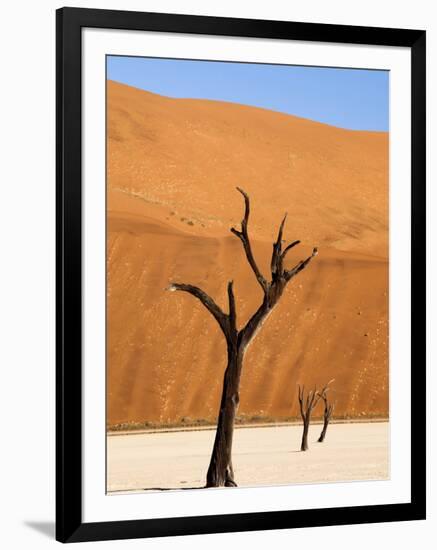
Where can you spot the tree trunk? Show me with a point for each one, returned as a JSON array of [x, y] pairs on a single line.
[[304, 445], [325, 427], [220, 471]]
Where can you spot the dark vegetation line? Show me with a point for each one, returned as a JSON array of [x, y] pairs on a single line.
[[249, 422]]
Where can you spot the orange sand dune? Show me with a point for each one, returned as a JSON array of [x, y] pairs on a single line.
[[172, 170], [188, 156]]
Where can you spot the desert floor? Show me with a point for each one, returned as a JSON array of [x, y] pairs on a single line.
[[262, 456]]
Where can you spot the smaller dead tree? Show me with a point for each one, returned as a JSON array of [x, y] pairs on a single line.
[[327, 413], [307, 405]]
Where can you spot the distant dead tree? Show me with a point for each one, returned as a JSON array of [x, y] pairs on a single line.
[[327, 413], [220, 472], [306, 408]]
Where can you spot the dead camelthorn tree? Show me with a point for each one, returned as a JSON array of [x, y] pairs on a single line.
[[220, 472], [327, 413], [306, 408]]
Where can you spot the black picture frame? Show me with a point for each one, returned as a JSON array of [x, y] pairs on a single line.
[[69, 524]]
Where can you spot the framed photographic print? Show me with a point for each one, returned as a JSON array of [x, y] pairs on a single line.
[[240, 274]]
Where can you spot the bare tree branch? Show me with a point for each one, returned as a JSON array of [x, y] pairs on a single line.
[[307, 405], [276, 262], [327, 413], [300, 395], [289, 274], [243, 235], [232, 311], [315, 399], [289, 247], [324, 390], [207, 301], [255, 322]]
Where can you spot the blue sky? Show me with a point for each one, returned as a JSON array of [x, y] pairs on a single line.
[[349, 98]]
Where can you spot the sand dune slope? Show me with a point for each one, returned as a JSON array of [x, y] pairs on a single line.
[[173, 166], [187, 156], [167, 354]]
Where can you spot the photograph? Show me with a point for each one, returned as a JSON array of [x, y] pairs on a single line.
[[216, 270], [247, 274]]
